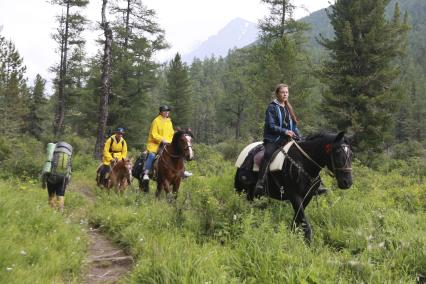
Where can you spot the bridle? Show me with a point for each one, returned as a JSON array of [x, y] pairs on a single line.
[[345, 168], [330, 151], [188, 147]]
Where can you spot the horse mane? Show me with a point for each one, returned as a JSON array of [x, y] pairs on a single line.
[[323, 135], [176, 137], [320, 135]]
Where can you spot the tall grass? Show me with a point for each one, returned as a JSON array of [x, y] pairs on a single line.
[[37, 244], [371, 233]]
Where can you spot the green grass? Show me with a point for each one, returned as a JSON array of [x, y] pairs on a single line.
[[371, 233], [38, 244]]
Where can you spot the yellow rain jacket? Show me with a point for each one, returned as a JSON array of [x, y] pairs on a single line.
[[114, 149], [161, 129]]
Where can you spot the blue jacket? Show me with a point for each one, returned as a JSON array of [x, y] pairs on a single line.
[[277, 122]]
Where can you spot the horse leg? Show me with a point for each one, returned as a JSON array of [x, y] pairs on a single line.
[[176, 185], [169, 193], [300, 218], [160, 186]]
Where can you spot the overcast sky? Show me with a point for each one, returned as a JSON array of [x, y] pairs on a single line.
[[30, 24]]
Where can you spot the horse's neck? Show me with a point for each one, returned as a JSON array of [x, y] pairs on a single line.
[[171, 154], [315, 151]]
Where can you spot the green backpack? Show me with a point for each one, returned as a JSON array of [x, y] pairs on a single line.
[[61, 161]]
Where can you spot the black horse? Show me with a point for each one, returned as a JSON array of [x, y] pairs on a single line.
[[299, 179]]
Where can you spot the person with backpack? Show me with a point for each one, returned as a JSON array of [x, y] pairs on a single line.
[[115, 148], [57, 173], [160, 133]]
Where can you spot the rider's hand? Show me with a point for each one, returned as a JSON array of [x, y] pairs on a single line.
[[290, 133]]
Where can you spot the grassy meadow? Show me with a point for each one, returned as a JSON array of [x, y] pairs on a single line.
[[371, 233], [38, 244]]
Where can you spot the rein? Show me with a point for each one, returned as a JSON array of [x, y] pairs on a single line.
[[332, 173], [310, 159], [169, 167]]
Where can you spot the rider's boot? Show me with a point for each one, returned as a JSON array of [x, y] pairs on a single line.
[[259, 188], [145, 175], [186, 174]]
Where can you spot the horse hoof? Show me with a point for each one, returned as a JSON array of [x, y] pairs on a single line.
[[170, 197]]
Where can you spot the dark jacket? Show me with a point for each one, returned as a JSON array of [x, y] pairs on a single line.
[[274, 130]]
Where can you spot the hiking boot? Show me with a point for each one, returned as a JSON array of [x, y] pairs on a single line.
[[61, 200], [145, 177], [186, 174], [52, 201]]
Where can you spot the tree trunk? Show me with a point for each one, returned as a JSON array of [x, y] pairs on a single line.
[[126, 39], [105, 84], [126, 42], [284, 10], [60, 108]]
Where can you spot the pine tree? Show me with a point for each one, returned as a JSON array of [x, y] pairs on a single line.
[[37, 115], [69, 40], [179, 92], [105, 83], [282, 58], [137, 36], [280, 21], [13, 90], [361, 72], [238, 92]]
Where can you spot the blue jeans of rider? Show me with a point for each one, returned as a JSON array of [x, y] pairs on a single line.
[[149, 161]]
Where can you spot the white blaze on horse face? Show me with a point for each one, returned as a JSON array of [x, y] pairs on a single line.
[[189, 141], [346, 148]]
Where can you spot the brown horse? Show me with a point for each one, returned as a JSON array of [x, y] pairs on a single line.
[[120, 176], [170, 163]]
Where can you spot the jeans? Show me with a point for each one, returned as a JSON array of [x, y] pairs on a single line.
[[149, 161]]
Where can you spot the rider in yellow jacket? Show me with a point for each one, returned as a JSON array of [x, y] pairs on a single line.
[[115, 148], [161, 132]]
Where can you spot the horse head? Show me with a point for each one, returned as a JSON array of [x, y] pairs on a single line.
[[128, 164], [339, 160], [182, 144]]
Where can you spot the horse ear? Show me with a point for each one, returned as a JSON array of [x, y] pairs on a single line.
[[350, 139], [339, 136], [178, 129]]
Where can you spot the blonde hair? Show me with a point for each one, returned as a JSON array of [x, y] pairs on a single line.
[[287, 103]]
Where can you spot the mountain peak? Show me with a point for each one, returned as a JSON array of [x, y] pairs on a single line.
[[236, 34]]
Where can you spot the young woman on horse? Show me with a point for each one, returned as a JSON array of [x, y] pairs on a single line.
[[280, 125], [115, 148], [160, 132]]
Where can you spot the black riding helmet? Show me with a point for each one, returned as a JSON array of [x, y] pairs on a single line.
[[164, 108]]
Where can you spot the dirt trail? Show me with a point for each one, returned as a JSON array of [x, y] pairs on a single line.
[[106, 262]]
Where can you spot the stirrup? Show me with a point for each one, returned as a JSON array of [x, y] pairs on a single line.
[[321, 191], [259, 189]]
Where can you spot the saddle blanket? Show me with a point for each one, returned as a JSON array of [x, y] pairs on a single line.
[[275, 165]]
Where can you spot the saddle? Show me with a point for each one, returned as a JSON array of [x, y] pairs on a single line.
[[251, 157], [137, 170]]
